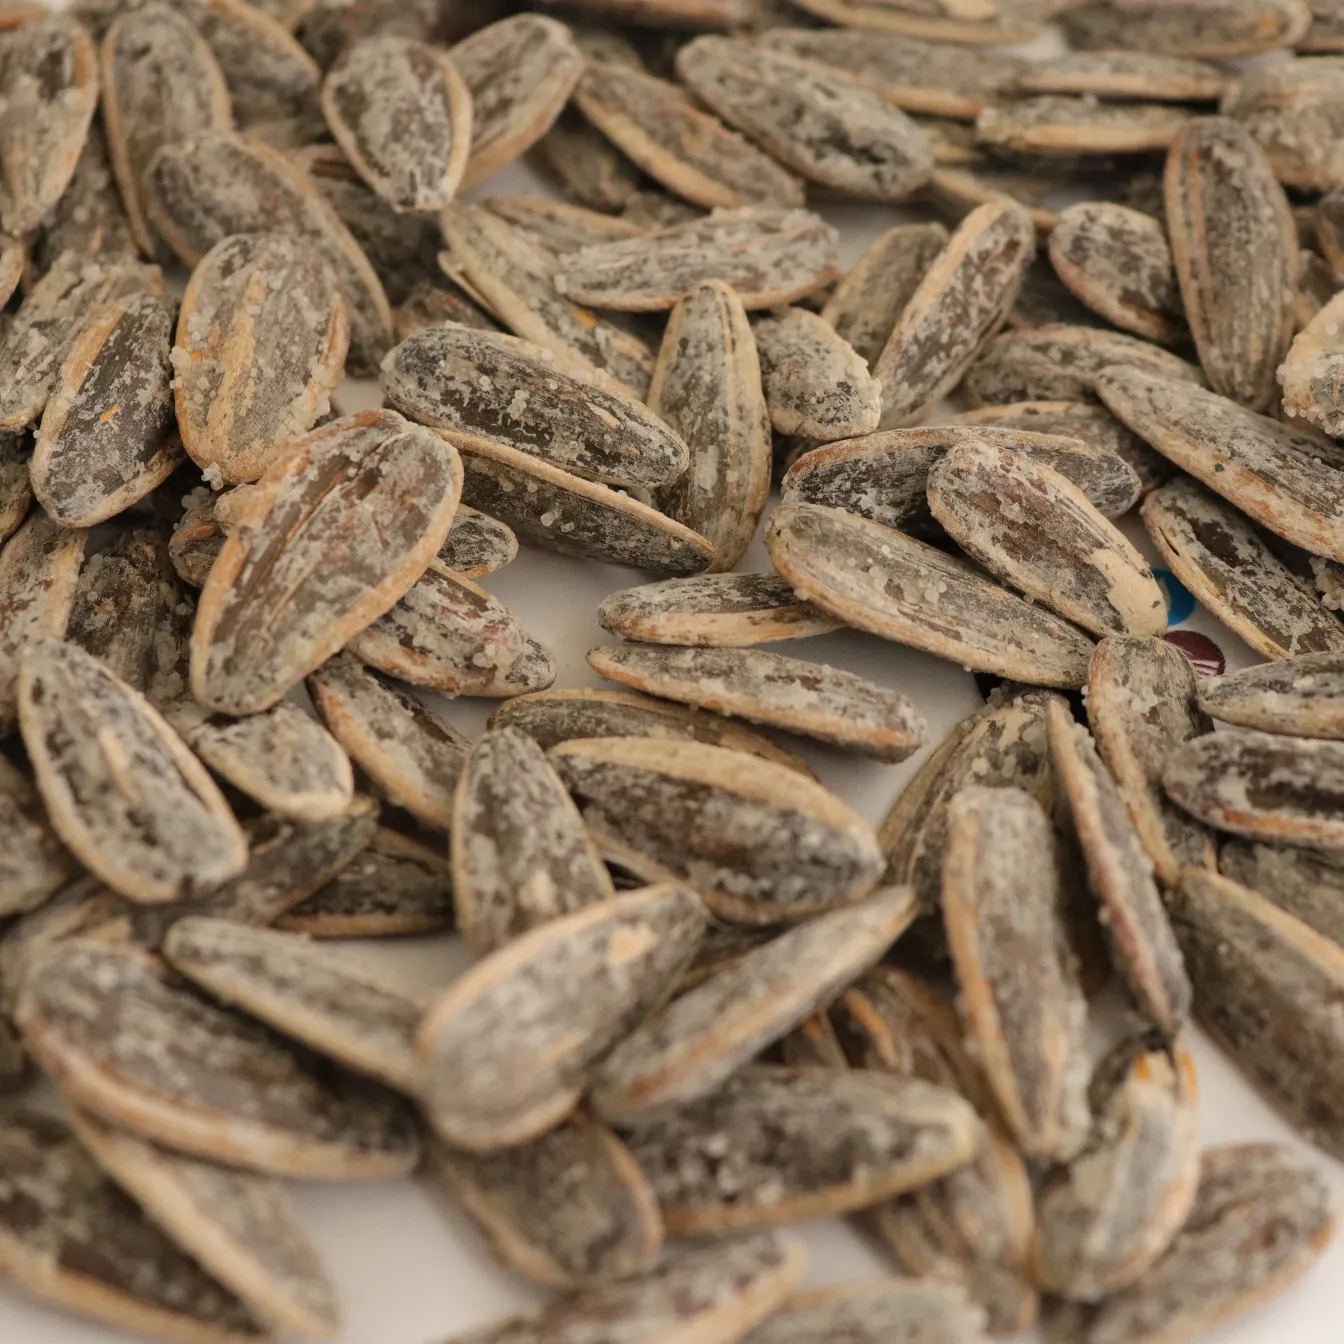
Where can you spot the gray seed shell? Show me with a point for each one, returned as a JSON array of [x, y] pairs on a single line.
[[589, 167], [505, 1053], [1301, 696], [1123, 75], [1011, 22], [89, 217], [776, 1145], [1294, 113], [1216, 553], [1061, 127], [1209, 31], [16, 487], [760, 842], [686, 1051], [560, 226], [477, 544], [1306, 883], [34, 864], [1311, 370], [878, 580]]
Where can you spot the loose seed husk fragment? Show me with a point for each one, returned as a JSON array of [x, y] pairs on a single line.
[[1300, 696], [878, 580], [506, 1053], [778, 1145], [1020, 997], [137, 1050], [1305, 883], [688, 1049], [1220, 558], [760, 842]]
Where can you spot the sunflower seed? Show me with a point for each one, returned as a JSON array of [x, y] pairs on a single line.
[[1221, 559], [1260, 1218], [243, 1229], [1123, 75], [1224, 209], [684, 1052], [520, 73], [486, 390], [1213, 30], [1300, 696], [812, 1044], [1312, 372], [960, 190], [330, 539], [560, 716], [559, 226], [589, 167], [506, 1052], [1305, 883], [571, 1209], [477, 545], [768, 255], [876, 579], [74, 1240], [1054, 126], [962, 21], [201, 189], [760, 842], [813, 699], [196, 542], [261, 342], [520, 853], [707, 387], [1063, 363], [89, 218], [34, 864], [16, 490], [712, 1293], [1001, 908], [1142, 703], [869, 300]]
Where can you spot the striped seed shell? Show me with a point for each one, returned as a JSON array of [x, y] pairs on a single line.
[[1234, 244], [1020, 997], [1260, 1219], [560, 226], [1300, 696], [585, 164], [1305, 883], [1213, 30], [760, 842], [957, 306], [1312, 373], [957, 188], [707, 387], [1123, 75], [261, 343], [16, 487], [832, 131], [688, 1049], [1037, 531], [1224, 562], [1264, 786], [506, 1052], [485, 390], [777, 1145], [477, 544], [813, 699], [435, 302], [331, 538], [137, 1050], [1060, 127], [34, 865], [570, 1210], [876, 579], [520, 853], [769, 255], [89, 218]]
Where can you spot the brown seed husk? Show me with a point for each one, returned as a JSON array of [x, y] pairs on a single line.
[[878, 580], [1220, 558], [761, 843], [686, 1051], [196, 541], [505, 1054], [1300, 696], [1306, 883]]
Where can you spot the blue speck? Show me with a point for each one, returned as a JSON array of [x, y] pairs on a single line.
[[1179, 601]]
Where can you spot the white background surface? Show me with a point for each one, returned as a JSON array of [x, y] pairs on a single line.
[[408, 1270]]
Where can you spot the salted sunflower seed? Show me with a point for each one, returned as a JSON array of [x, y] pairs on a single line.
[[1002, 914], [435, 302], [957, 306], [1306, 883], [716, 611], [1212, 31], [1223, 561], [832, 131], [196, 541], [514, 273], [1120, 875], [768, 255], [1123, 75], [1234, 244], [777, 1145], [331, 538], [521, 855], [261, 342], [73, 1239], [486, 390], [571, 1209], [958, 189], [1312, 373], [876, 579], [1300, 696], [707, 387], [241, 1228], [505, 1054], [393, 887], [1264, 786], [1054, 126], [809, 698], [972, 22], [1064, 363], [477, 545], [34, 864], [89, 218], [16, 488], [587, 165], [560, 226], [689, 1048], [712, 1293], [868, 301], [760, 842], [1259, 1221], [49, 89], [560, 716], [1142, 703]]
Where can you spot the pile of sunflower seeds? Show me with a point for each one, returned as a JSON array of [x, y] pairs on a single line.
[[708, 999]]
